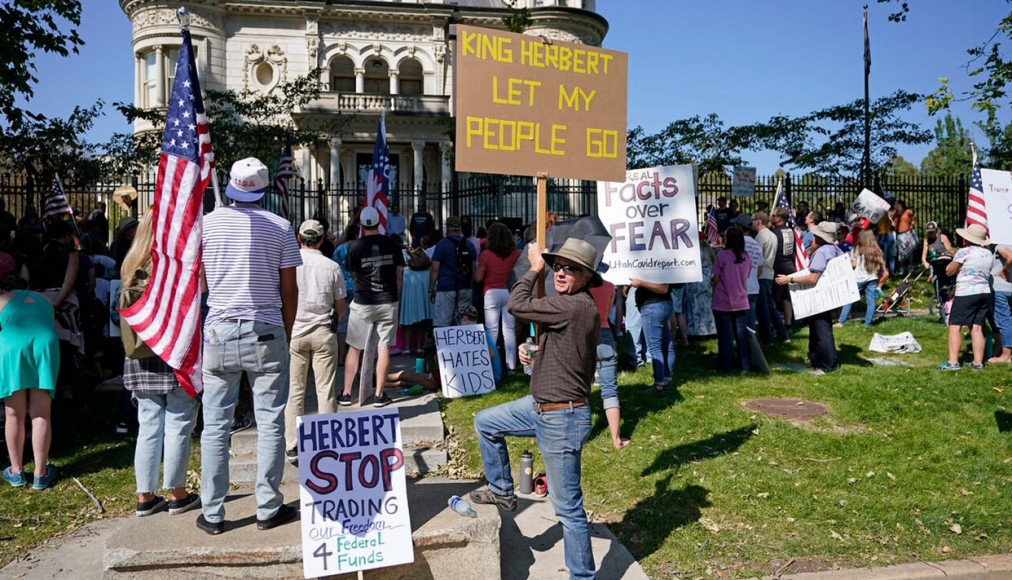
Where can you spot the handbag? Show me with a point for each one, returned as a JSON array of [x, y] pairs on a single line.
[[133, 346], [419, 260]]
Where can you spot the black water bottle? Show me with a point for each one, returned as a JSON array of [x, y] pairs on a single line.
[[526, 472]]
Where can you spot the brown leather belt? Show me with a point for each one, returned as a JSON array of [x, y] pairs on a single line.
[[546, 407]]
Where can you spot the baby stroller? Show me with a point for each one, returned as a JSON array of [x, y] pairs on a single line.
[[898, 302], [941, 282]]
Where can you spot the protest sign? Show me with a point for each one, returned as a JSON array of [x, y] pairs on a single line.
[[527, 105], [835, 287], [465, 364], [870, 206], [997, 190], [743, 182], [652, 221], [353, 493]]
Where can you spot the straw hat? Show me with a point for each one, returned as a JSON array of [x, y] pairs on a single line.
[[826, 231], [975, 234], [580, 252]]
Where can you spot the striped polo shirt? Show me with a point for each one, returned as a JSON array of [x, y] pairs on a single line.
[[244, 249]]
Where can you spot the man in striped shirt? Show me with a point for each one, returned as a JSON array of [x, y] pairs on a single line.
[[250, 257]]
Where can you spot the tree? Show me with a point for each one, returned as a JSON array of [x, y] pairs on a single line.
[[703, 141], [951, 155], [900, 167]]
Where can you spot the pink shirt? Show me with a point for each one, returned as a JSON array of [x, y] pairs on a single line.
[[731, 292], [497, 269], [604, 296]]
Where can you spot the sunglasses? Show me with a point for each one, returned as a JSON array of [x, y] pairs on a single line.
[[571, 270]]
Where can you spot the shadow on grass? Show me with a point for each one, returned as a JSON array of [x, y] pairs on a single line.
[[851, 355], [716, 445], [645, 527], [1004, 421]]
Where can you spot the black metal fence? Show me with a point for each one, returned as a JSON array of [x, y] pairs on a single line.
[[512, 198]]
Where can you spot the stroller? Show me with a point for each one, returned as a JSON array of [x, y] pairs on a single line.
[[898, 302], [941, 282]]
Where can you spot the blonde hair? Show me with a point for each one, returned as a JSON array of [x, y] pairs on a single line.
[[139, 256], [869, 250]]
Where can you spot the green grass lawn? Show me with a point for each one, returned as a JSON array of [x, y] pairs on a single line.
[[910, 462]]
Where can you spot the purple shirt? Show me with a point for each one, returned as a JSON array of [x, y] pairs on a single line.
[[731, 292]]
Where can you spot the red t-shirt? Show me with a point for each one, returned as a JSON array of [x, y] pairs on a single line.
[[604, 297], [497, 269]]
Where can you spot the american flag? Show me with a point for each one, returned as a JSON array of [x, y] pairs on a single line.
[[167, 316], [56, 204], [285, 172], [975, 212], [800, 252], [711, 228], [377, 188]]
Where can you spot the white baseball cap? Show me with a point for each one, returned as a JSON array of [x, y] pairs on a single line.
[[369, 217], [247, 180]]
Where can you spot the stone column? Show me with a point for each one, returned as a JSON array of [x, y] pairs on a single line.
[[335, 163], [444, 162], [395, 84], [418, 147], [138, 80], [159, 77], [360, 80]]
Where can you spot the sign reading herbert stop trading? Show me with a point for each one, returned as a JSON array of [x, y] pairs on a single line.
[[353, 494], [652, 221], [743, 182], [527, 105], [465, 364], [870, 206], [997, 190]]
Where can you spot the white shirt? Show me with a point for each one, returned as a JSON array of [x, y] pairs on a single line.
[[321, 284], [768, 241]]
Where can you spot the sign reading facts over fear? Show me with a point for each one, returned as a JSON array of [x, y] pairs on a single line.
[[527, 105]]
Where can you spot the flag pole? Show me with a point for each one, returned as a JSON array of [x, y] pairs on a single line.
[[73, 222]]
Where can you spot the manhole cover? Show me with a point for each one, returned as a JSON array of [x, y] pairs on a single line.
[[788, 408]]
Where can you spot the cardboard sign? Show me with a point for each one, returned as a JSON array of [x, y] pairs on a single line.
[[870, 206], [997, 190], [527, 105], [353, 493], [743, 182], [835, 287], [465, 364], [652, 221]]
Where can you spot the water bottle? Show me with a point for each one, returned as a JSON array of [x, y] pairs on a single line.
[[420, 365], [460, 505], [530, 348], [526, 472]]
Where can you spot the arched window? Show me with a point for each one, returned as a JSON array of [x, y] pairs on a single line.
[[342, 75], [377, 76], [411, 81]]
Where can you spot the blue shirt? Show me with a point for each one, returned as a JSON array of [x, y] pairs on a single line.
[[446, 254], [822, 257]]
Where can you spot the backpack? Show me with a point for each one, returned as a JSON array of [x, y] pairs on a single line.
[[133, 346], [463, 261]]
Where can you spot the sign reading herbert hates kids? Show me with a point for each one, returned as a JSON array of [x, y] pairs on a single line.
[[527, 105], [353, 494], [652, 221], [465, 364]]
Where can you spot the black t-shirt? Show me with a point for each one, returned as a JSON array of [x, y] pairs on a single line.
[[421, 224], [783, 263], [374, 260], [723, 216], [646, 296]]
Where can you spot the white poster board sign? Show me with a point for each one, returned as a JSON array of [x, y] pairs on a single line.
[[997, 190], [743, 182], [835, 287], [465, 363], [652, 221], [353, 493], [870, 206]]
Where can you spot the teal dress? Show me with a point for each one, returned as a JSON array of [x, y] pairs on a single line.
[[29, 347]]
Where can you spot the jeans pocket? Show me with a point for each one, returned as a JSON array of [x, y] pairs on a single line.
[[213, 352], [272, 355]]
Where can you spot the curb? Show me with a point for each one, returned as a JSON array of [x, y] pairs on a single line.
[[998, 567]]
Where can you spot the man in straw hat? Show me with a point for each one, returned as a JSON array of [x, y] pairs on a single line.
[[972, 267], [556, 412], [821, 343]]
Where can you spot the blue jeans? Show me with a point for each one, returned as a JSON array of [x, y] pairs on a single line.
[[753, 305], [560, 436], [767, 313], [1002, 316], [634, 328], [888, 244], [732, 327], [658, 334], [868, 289], [166, 422], [607, 368], [260, 349]]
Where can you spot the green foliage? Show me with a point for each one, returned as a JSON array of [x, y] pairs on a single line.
[[703, 141], [40, 146], [951, 155], [900, 167], [901, 13], [518, 19]]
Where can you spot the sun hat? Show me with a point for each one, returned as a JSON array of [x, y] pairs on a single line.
[[580, 252], [975, 234], [311, 231], [247, 181], [931, 227], [826, 231], [369, 217]]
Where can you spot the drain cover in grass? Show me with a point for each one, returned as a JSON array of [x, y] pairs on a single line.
[[787, 408]]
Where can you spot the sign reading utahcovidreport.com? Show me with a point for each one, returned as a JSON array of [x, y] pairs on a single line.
[[353, 494], [527, 105]]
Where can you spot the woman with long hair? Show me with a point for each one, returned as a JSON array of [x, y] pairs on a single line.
[[869, 271], [166, 413], [730, 301], [495, 263]]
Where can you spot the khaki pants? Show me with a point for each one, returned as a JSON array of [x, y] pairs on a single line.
[[320, 348]]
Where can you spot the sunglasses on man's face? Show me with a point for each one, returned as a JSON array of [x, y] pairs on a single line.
[[571, 270]]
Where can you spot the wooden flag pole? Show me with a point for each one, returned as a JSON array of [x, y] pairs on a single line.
[[542, 216]]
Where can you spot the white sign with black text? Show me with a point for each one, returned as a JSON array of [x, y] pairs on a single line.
[[834, 288], [465, 363], [743, 182], [870, 206]]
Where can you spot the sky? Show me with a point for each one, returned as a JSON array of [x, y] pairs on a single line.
[[745, 60]]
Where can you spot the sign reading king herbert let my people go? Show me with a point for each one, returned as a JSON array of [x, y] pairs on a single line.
[[353, 493], [527, 105], [652, 221]]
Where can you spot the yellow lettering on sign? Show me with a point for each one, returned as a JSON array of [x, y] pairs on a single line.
[[573, 100], [514, 90], [507, 135], [602, 143], [486, 47]]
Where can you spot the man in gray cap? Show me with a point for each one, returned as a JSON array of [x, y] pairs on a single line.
[[556, 412], [321, 301]]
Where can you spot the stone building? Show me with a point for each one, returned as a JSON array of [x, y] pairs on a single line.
[[381, 55]]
